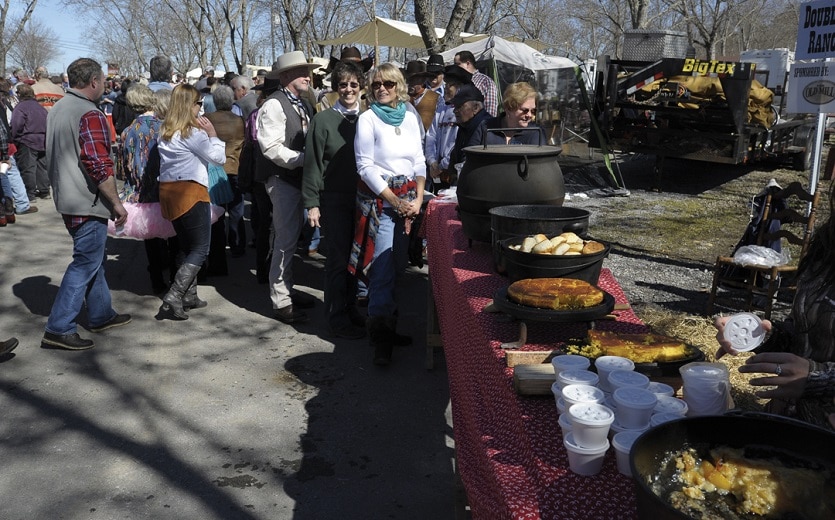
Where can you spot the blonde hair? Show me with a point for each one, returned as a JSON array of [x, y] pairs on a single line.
[[140, 98], [388, 72], [180, 117], [516, 94], [162, 98]]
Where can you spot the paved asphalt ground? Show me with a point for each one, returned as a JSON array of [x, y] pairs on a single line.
[[229, 415]]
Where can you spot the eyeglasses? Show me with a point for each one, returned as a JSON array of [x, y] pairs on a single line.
[[526, 110], [352, 84], [388, 84], [198, 102]]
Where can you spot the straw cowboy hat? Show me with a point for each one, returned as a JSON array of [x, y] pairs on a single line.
[[292, 60]]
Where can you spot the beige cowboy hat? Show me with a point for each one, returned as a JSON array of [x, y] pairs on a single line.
[[292, 60]]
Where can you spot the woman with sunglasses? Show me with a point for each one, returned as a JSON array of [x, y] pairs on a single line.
[[519, 104], [329, 192], [186, 146], [392, 169]]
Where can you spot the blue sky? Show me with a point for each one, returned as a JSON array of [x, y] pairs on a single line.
[[70, 30]]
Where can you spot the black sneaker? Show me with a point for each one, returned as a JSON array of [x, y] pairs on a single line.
[[349, 331], [302, 300], [115, 321], [288, 314], [8, 345], [66, 341]]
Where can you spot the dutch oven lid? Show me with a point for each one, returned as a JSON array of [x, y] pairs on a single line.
[[514, 150]]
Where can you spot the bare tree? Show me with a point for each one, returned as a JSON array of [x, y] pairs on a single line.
[[35, 46], [11, 28], [424, 17]]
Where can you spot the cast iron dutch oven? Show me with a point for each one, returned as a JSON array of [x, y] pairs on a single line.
[[499, 175], [761, 435], [519, 265], [530, 219]]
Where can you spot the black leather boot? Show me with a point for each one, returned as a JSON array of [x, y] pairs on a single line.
[[379, 337], [191, 300], [398, 340], [172, 306]]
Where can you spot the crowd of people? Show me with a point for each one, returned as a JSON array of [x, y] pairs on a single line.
[[353, 159]]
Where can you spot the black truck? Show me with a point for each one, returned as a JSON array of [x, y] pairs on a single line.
[[669, 121]]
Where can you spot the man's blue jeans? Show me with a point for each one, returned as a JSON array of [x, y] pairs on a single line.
[[83, 281], [13, 187]]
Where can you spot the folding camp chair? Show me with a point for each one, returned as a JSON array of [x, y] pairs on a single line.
[[784, 216]]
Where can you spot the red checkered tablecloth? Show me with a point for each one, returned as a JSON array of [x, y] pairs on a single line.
[[509, 447]]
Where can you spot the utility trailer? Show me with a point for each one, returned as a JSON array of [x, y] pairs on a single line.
[[672, 121]]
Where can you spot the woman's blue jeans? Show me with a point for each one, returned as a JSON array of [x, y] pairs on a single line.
[[83, 281], [391, 256]]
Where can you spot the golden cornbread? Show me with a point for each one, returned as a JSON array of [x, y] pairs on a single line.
[[640, 348], [561, 294]]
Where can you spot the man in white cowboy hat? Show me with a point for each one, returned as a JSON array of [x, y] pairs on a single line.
[[282, 124]]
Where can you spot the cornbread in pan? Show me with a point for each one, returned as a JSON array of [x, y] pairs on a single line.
[[561, 294]]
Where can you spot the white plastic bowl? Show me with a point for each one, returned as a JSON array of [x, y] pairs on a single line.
[[622, 378], [557, 391], [590, 424], [584, 461], [667, 404], [565, 424], [635, 406], [660, 389], [605, 364], [661, 418], [622, 442], [616, 428]]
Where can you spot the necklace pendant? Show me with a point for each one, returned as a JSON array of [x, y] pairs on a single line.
[[397, 130]]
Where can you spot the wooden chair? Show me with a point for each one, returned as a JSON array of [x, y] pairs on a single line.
[[759, 285]]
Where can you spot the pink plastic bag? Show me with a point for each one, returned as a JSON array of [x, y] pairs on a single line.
[[145, 221]]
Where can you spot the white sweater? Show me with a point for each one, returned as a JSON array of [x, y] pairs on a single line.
[[382, 153], [188, 159]]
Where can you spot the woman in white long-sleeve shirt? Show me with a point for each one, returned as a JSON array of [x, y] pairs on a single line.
[[392, 169], [186, 146]]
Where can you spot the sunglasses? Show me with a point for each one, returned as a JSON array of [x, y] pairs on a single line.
[[388, 84], [352, 84], [526, 110], [198, 102]]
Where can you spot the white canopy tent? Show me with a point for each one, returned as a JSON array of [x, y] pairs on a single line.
[[518, 53], [385, 32]]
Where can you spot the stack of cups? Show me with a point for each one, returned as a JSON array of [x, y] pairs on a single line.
[[706, 388], [587, 442], [606, 364]]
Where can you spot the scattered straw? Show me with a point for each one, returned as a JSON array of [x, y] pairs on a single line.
[[700, 332]]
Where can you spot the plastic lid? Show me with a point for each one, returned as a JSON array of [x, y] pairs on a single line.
[[634, 397], [577, 376], [661, 418], [667, 404], [660, 388], [620, 378], [624, 440], [582, 393], [613, 363], [744, 331], [571, 361]]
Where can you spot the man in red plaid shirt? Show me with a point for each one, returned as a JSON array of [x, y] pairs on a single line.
[[84, 191]]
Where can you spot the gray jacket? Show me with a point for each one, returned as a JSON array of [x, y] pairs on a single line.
[[74, 192]]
